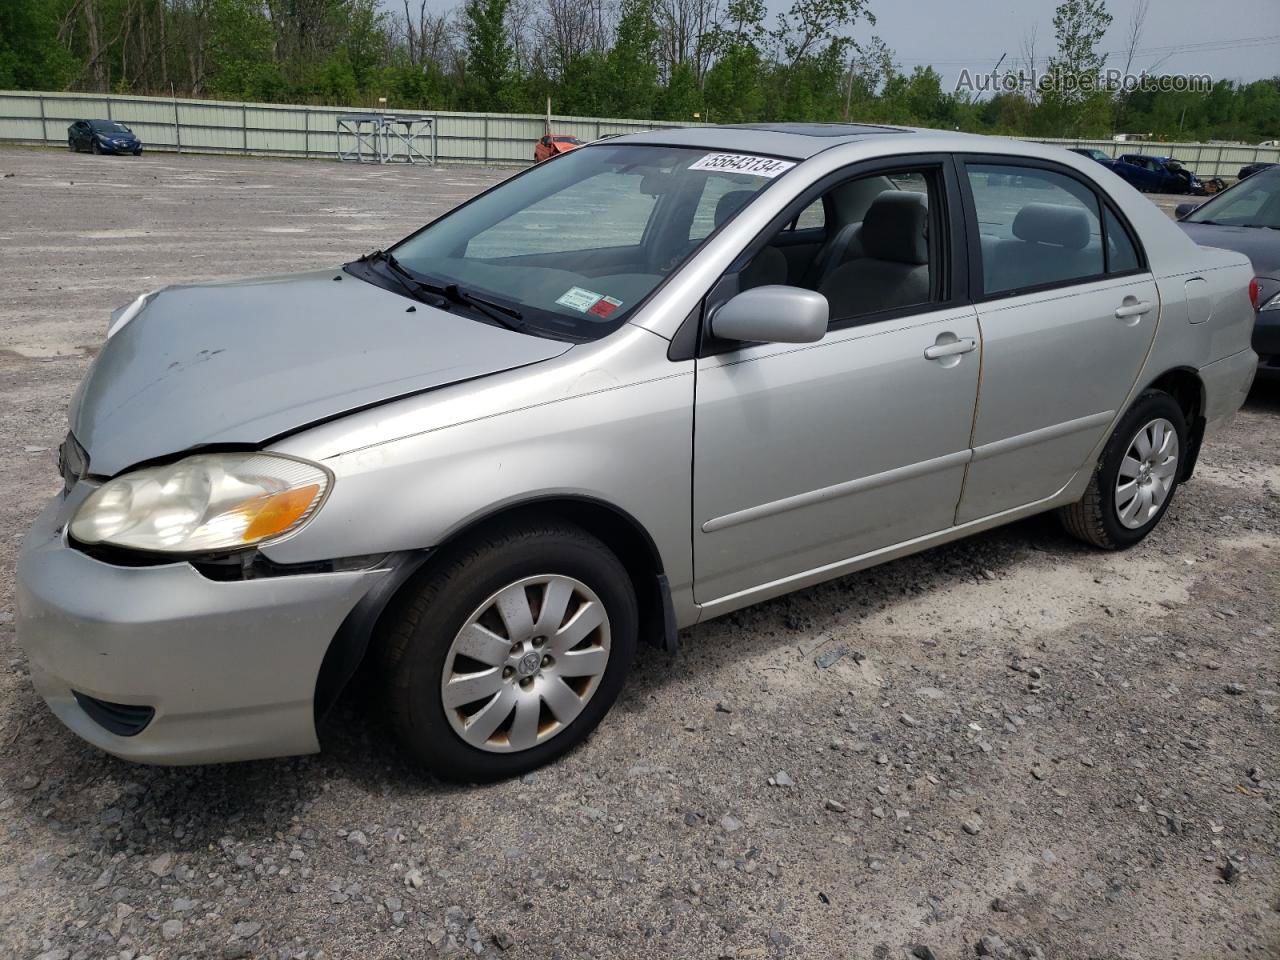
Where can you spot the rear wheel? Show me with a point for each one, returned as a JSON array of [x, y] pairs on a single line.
[[509, 651], [1136, 476], [71, 145]]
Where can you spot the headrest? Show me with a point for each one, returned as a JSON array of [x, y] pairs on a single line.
[[731, 203], [896, 227], [1054, 223]]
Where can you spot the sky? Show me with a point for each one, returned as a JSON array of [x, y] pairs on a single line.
[[1242, 44], [1228, 39]]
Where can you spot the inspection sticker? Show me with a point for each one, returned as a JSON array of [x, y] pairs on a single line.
[[766, 167], [605, 306], [575, 298]]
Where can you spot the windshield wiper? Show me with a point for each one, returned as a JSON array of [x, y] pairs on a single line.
[[1261, 226], [509, 317], [406, 279], [444, 294]]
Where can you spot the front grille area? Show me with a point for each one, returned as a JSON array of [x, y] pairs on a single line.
[[122, 719]]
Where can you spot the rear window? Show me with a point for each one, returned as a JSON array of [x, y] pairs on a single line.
[[1036, 227]]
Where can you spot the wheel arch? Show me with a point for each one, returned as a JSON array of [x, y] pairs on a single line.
[[1187, 389], [616, 528]]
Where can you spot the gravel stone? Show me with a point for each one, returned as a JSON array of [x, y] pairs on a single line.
[[161, 865]]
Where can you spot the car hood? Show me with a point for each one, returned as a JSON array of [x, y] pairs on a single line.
[[1260, 245], [241, 363]]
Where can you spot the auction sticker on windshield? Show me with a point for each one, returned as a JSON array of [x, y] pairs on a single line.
[[766, 167], [576, 298]]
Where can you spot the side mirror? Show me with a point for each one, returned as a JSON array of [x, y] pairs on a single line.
[[773, 314], [1183, 209]]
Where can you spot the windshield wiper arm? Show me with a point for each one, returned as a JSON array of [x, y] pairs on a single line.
[[403, 276], [509, 317]]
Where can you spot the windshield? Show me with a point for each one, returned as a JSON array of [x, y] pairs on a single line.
[[108, 126], [1254, 202], [572, 247]]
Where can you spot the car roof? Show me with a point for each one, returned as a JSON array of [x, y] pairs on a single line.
[[798, 141]]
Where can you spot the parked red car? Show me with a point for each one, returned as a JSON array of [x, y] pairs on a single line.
[[554, 144]]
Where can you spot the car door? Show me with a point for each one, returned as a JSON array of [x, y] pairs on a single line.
[[1136, 172], [79, 129], [1068, 310], [809, 454]]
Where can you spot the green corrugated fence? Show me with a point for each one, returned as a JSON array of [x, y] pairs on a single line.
[[213, 126]]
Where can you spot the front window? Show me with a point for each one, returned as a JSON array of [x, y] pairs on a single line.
[[1254, 202], [570, 249]]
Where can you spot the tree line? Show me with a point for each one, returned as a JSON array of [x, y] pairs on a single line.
[[713, 60]]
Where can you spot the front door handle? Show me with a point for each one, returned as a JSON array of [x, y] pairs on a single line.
[[1134, 309], [952, 349]]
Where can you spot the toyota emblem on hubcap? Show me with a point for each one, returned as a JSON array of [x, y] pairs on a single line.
[[529, 664]]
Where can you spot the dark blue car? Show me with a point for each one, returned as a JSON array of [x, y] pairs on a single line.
[[1157, 174], [102, 136]]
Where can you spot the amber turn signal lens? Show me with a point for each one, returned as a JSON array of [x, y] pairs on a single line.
[[276, 512]]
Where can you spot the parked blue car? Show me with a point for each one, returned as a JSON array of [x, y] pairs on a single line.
[[102, 136], [1158, 174]]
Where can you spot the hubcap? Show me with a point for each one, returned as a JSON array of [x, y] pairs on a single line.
[[1147, 473], [525, 663]]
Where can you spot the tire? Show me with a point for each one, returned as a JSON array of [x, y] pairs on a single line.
[[96, 149], [1114, 518], [468, 593], [71, 145]]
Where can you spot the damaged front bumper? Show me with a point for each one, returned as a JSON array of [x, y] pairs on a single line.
[[161, 664]]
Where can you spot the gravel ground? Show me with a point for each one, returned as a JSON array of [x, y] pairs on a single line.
[[1010, 747]]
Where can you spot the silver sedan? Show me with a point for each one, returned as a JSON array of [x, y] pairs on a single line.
[[640, 385]]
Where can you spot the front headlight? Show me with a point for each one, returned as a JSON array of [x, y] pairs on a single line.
[[204, 503]]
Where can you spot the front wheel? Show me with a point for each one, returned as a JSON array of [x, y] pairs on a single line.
[[1136, 476], [509, 651], [96, 148]]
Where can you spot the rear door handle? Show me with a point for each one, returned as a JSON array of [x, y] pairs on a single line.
[[952, 349], [1133, 310]]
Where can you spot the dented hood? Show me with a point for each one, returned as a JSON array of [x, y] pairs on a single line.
[[243, 362]]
